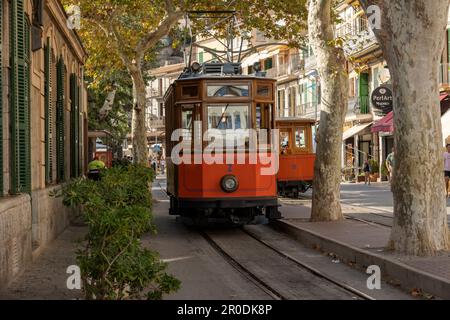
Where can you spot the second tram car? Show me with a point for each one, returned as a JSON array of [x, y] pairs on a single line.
[[297, 156], [217, 97]]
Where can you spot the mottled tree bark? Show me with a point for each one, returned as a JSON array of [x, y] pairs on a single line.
[[139, 129], [334, 101], [411, 37]]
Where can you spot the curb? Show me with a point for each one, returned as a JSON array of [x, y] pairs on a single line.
[[392, 270]]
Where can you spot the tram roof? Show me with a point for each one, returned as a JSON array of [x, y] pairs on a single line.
[[292, 119], [224, 77], [214, 71]]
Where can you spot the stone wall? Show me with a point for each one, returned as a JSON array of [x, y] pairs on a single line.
[[27, 225], [15, 236]]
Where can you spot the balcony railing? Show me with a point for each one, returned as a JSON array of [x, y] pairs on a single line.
[[356, 34], [310, 110], [156, 123], [358, 105]]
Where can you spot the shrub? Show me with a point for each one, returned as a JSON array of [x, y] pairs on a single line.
[[117, 211]]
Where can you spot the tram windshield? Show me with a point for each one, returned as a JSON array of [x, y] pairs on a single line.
[[228, 117]]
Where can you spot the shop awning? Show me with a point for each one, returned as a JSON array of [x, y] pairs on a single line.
[[385, 124], [443, 96], [353, 131]]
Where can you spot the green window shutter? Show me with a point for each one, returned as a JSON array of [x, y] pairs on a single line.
[[74, 135], [364, 92], [79, 144], [60, 131], [48, 114], [20, 99], [1, 99]]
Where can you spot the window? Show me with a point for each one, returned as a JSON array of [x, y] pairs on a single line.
[[263, 90], [19, 95], [187, 118], [300, 138], [74, 127], [228, 117], [281, 102], [268, 64], [227, 90], [60, 126], [263, 116], [189, 91], [284, 141]]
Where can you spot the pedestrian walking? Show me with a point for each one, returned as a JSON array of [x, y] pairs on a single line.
[[366, 170], [447, 169], [390, 164]]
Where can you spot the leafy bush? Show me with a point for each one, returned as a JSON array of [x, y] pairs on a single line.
[[117, 211]]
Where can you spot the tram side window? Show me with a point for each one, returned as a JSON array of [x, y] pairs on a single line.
[[284, 142], [263, 116], [187, 122], [300, 138]]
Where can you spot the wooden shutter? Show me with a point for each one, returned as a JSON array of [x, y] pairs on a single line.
[[20, 99], [48, 113], [1, 98], [60, 137], [74, 132], [364, 92]]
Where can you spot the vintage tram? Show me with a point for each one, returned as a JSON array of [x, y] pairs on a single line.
[[216, 97], [297, 156]]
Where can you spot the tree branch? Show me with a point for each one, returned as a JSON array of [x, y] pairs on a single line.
[[153, 38]]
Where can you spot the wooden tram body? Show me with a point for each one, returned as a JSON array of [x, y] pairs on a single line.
[[297, 157], [199, 191]]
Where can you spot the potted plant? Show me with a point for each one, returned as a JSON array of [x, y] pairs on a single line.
[[374, 170], [361, 177], [384, 172]]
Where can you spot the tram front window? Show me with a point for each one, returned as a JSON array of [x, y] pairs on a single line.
[[228, 118]]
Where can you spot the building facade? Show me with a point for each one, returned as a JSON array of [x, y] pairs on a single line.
[[43, 126]]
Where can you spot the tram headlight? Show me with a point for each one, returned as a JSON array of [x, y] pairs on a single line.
[[229, 183]]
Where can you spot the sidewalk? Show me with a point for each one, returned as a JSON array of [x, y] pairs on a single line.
[[362, 244], [45, 278]]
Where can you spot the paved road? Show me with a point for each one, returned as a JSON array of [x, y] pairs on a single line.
[[377, 196]]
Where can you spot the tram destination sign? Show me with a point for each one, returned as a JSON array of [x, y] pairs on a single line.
[[383, 99]]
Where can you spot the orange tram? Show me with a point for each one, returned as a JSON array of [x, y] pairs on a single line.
[[297, 156], [216, 97]]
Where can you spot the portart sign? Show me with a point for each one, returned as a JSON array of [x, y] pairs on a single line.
[[382, 99]]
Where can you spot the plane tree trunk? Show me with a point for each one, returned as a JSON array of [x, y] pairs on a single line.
[[411, 37], [331, 64]]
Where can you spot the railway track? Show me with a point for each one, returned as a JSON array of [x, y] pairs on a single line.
[[278, 274], [278, 269]]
